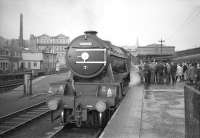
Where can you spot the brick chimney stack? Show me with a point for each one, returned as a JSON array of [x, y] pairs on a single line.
[[21, 44]]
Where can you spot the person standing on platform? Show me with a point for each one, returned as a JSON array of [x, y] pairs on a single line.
[[157, 73], [164, 73], [179, 73], [185, 68], [173, 73], [160, 73], [168, 73], [153, 72], [192, 73], [147, 74]]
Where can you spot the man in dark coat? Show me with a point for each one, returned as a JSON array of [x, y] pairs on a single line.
[[173, 72], [147, 74], [159, 70]]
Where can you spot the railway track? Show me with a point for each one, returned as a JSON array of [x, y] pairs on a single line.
[[7, 85], [74, 132], [18, 119]]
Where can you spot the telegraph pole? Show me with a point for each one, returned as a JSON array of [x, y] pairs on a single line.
[[161, 45]]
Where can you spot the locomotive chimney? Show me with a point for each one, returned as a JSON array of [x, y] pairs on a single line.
[[91, 32]]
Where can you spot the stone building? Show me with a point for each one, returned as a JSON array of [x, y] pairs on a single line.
[[51, 44], [10, 59], [154, 51]]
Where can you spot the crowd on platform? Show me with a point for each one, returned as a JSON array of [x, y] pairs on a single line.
[[170, 73]]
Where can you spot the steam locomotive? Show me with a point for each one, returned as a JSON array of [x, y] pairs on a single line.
[[100, 74]]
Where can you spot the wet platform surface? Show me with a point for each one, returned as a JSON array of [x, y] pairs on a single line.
[[163, 114], [126, 121], [156, 112]]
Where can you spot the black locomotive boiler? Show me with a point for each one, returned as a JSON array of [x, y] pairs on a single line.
[[100, 73]]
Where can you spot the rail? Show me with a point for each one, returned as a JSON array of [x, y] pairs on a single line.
[[70, 131], [19, 118], [11, 83]]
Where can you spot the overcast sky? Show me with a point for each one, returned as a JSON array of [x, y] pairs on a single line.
[[120, 21]]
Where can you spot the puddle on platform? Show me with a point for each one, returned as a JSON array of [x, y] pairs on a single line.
[[149, 95], [179, 104], [176, 113]]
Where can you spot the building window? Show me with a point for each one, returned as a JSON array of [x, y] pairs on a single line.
[[3, 65], [29, 65], [6, 65], [35, 64], [7, 53]]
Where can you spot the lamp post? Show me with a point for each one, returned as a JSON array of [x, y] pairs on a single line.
[[161, 44]]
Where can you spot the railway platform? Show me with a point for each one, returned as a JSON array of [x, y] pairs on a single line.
[[156, 112]]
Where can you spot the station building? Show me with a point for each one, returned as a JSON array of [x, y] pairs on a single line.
[[154, 51], [39, 61], [50, 44]]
